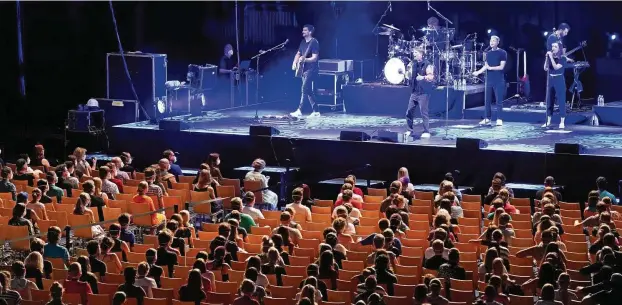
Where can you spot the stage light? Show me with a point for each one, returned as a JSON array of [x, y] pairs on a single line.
[[546, 33], [613, 37], [489, 31]]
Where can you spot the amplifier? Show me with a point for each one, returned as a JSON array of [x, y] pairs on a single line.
[[119, 111], [147, 71], [85, 120], [336, 65]]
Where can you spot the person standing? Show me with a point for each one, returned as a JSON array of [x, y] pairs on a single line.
[[307, 60], [422, 86], [494, 66], [554, 65], [227, 62], [557, 37]]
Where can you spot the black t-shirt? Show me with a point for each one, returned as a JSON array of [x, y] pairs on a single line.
[[91, 280], [155, 272], [560, 60], [421, 86], [494, 59], [434, 262], [133, 291], [45, 199], [28, 177], [97, 266], [36, 274], [191, 295], [540, 193], [167, 258], [552, 39], [227, 63], [179, 244], [313, 47], [65, 185]]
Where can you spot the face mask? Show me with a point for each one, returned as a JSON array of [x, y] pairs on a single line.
[[230, 52], [175, 159], [218, 162], [28, 161]]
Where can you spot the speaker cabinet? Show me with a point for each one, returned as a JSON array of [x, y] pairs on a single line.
[[261, 130], [359, 136], [569, 148], [390, 136], [173, 125], [470, 144]]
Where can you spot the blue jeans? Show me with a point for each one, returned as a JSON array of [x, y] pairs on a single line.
[[307, 89]]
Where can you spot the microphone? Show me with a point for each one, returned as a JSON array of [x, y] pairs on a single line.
[[390, 7], [428, 5]]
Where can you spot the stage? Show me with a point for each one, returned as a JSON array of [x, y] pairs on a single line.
[[523, 151]]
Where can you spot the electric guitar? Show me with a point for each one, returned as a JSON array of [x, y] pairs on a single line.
[[301, 65], [581, 45]]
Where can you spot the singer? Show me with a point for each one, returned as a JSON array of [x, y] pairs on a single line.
[[554, 64], [495, 80], [306, 61]]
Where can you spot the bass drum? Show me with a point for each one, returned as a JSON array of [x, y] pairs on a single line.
[[397, 70]]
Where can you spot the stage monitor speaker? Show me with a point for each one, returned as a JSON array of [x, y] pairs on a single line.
[[569, 148], [470, 144], [173, 125], [347, 135], [390, 136], [261, 130]]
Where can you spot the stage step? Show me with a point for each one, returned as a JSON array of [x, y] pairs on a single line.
[[531, 115]]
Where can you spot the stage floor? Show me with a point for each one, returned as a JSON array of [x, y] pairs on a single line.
[[512, 136]]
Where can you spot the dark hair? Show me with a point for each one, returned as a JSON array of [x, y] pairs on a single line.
[[129, 273], [124, 219], [200, 265], [164, 237], [549, 181], [546, 275], [84, 263], [151, 254], [309, 27], [92, 247], [118, 298], [601, 183], [18, 269], [563, 26], [6, 171], [421, 292], [251, 274], [18, 210], [53, 234]]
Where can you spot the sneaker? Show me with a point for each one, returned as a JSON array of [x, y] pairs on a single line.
[[314, 114], [425, 135], [296, 113], [562, 125], [546, 125], [499, 122], [485, 122]]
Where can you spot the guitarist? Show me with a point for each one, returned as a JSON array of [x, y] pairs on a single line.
[[557, 37], [306, 62]]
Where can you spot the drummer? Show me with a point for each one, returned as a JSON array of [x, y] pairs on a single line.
[[435, 35]]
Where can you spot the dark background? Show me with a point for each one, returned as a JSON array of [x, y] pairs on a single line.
[[64, 43]]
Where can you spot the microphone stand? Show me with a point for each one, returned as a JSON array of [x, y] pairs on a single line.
[[256, 119], [374, 31], [447, 23]]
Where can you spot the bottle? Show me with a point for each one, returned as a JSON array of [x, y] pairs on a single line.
[[601, 100], [464, 84]]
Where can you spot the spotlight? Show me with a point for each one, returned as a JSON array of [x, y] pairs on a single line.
[[489, 31], [613, 37], [546, 33]]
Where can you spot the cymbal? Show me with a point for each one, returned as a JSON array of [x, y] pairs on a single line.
[[456, 46], [387, 33], [389, 27], [440, 29]]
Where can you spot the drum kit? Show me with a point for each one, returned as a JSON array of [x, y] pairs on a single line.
[[463, 59]]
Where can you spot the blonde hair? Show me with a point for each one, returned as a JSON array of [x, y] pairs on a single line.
[[34, 260], [97, 183], [402, 172], [259, 164], [79, 153], [142, 187]]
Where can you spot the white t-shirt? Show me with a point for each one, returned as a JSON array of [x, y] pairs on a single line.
[[300, 209], [253, 212], [146, 284], [355, 197], [355, 213], [429, 252]]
